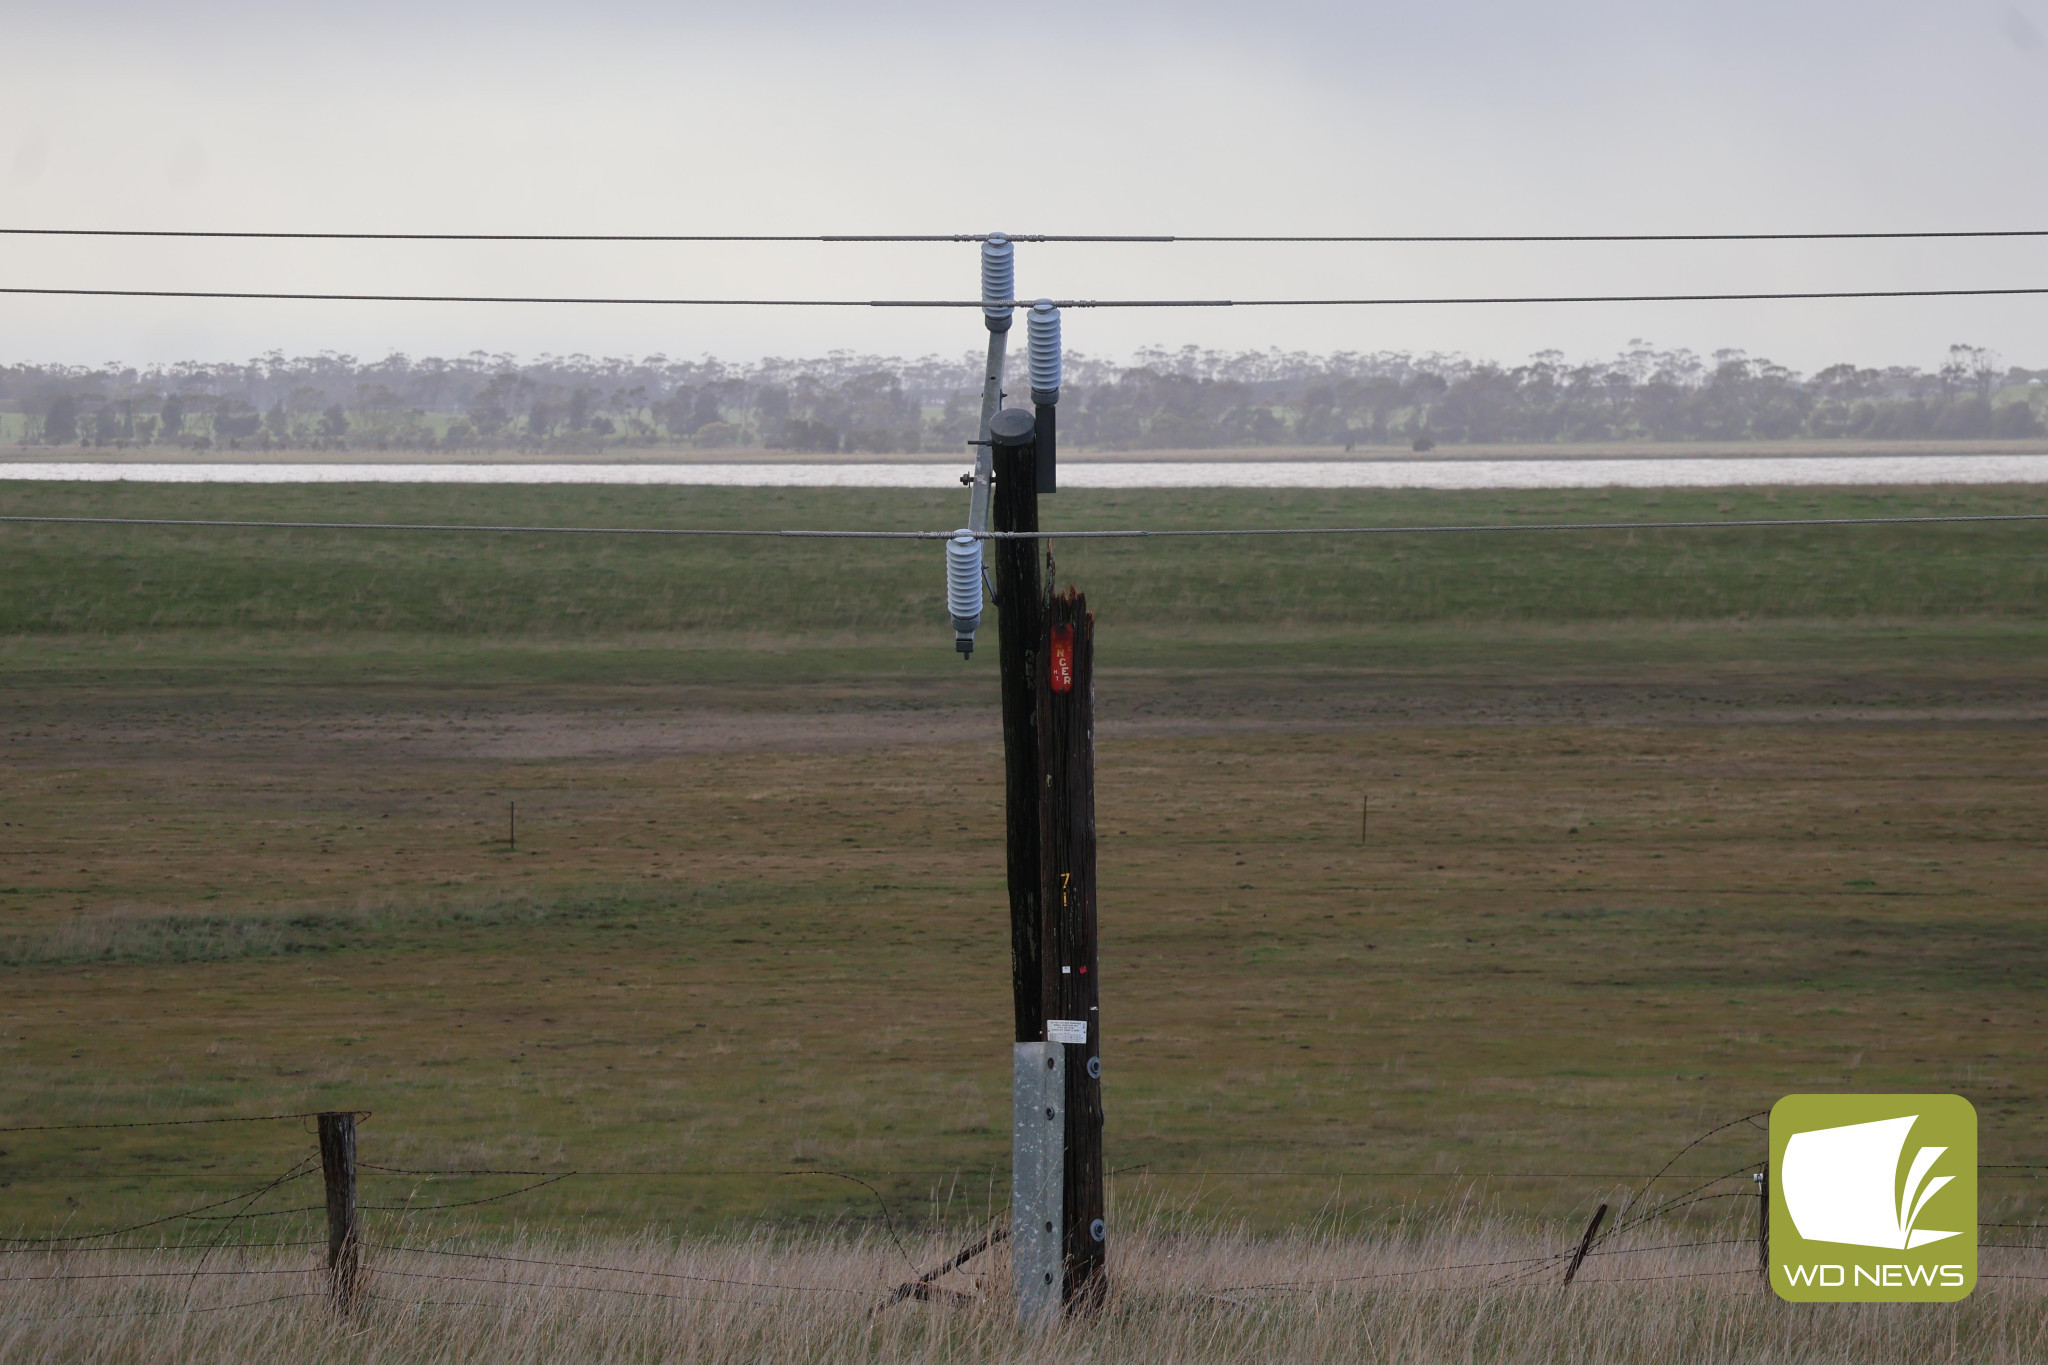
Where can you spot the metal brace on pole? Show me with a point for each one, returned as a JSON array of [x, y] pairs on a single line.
[[1038, 1146]]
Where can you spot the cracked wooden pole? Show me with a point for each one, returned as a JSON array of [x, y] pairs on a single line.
[[1018, 602], [1038, 1101], [1066, 748]]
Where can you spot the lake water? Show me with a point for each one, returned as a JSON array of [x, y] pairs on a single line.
[[1694, 472]]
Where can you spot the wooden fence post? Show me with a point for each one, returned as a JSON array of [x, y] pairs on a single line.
[[1763, 1223], [1585, 1243], [1066, 747], [344, 1237]]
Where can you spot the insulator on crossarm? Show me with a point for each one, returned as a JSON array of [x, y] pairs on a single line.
[[1045, 352], [998, 281], [963, 588]]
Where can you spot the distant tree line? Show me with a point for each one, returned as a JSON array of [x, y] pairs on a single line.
[[842, 402]]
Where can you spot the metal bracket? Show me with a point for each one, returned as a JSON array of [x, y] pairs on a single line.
[[1038, 1153]]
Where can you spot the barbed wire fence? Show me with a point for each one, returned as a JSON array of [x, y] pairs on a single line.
[[401, 1254]]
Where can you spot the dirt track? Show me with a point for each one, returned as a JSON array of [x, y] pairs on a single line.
[[525, 723]]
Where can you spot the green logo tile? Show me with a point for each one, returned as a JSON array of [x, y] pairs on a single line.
[[1873, 1198]]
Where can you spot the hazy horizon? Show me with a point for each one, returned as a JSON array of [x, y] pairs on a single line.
[[794, 117], [1165, 358]]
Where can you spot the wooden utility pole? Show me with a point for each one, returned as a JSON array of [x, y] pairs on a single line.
[[344, 1237], [1066, 752], [1015, 508], [1038, 1078]]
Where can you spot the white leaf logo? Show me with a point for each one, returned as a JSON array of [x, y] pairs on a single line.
[[1842, 1185]]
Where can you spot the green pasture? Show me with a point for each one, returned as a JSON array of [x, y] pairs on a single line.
[[1663, 825], [114, 580]]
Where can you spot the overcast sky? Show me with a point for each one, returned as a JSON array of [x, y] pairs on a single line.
[[900, 116]]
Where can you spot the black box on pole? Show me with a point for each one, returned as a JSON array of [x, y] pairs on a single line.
[[1045, 434]]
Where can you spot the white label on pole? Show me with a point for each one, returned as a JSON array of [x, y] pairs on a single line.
[[1066, 1031]]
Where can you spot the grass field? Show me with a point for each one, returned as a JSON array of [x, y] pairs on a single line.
[[1663, 826], [76, 581], [1458, 1291]]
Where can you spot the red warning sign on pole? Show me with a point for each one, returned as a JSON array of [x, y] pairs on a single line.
[[1062, 658]]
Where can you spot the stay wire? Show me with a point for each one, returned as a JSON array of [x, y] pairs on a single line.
[[162, 1247], [1683, 1199], [1623, 1223], [1375, 1275], [191, 1213], [1680, 1154], [466, 1203], [700, 1174], [170, 1123], [1668, 1206], [267, 1213], [300, 1168], [611, 1269], [880, 1203], [574, 1288], [161, 1274], [164, 1312]]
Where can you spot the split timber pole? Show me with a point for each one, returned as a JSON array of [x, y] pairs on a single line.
[[344, 1237], [1018, 602], [1038, 1096], [1066, 749]]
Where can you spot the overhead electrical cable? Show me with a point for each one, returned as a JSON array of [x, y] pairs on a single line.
[[1388, 301], [1364, 239], [1121, 534]]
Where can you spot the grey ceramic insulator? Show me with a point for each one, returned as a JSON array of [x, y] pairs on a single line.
[[1044, 325], [963, 583], [998, 280]]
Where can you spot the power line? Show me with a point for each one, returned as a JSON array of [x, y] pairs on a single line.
[[626, 237], [1383, 302], [1509, 238], [1377, 239], [1123, 534]]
